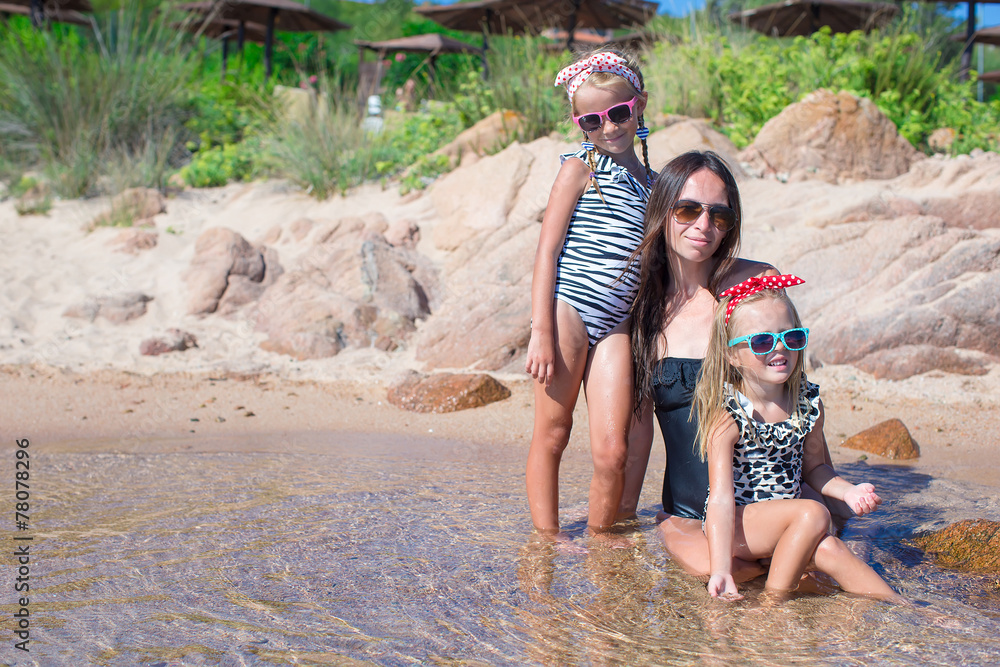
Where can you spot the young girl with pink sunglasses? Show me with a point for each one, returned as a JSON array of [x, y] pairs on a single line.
[[582, 287]]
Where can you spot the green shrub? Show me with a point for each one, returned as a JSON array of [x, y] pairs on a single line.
[[741, 84]]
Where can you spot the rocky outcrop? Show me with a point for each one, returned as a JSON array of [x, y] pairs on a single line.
[[831, 137], [486, 136], [223, 258], [899, 363], [175, 340], [118, 308], [685, 134], [890, 286], [889, 439], [351, 288], [971, 545], [446, 392], [488, 222]]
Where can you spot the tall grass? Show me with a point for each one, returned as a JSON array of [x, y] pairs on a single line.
[[111, 103]]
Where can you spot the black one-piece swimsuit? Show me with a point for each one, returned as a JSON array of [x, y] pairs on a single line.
[[685, 481]]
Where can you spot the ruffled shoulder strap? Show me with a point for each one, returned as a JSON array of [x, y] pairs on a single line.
[[808, 405], [582, 154], [739, 408]]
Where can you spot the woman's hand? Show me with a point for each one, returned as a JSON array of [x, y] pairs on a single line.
[[723, 586], [862, 499], [541, 361]]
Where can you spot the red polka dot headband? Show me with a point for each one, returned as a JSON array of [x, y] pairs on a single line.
[[574, 75], [756, 284]]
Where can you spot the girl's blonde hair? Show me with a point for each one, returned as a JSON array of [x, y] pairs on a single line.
[[606, 79], [718, 370]]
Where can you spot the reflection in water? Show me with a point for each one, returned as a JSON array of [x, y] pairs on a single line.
[[353, 551]]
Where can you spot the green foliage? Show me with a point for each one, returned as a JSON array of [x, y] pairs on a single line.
[[220, 164], [32, 196], [326, 150], [741, 86], [73, 101], [423, 171]]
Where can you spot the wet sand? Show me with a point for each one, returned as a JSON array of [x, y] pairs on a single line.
[[114, 411]]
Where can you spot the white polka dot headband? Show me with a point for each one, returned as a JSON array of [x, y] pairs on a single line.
[[574, 75], [756, 284]]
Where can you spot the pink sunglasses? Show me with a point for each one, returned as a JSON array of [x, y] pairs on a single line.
[[617, 114]]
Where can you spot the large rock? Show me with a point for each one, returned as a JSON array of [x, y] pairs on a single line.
[[890, 287], [479, 198], [691, 134], [350, 289], [907, 360], [446, 392], [219, 254], [486, 136], [483, 319], [971, 545], [833, 137], [889, 439]]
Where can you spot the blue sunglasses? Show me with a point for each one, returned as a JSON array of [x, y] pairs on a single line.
[[765, 341]]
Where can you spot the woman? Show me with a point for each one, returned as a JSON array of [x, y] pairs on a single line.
[[688, 256]]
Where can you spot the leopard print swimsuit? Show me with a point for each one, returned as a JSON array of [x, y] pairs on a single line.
[[767, 459]]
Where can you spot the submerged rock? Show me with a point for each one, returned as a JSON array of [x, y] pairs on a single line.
[[890, 439], [972, 545], [446, 392]]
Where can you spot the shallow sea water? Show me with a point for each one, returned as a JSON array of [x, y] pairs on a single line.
[[357, 550]]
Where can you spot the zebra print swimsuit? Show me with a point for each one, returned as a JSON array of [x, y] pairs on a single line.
[[600, 238]]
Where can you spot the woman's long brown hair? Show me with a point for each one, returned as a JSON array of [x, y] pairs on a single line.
[[650, 311]]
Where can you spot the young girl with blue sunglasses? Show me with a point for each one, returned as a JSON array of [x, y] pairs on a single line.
[[760, 425]]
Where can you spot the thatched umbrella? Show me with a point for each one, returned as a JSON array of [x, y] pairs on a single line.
[[39, 10], [55, 14], [970, 30], [982, 36], [804, 17], [501, 16], [284, 15], [226, 30], [433, 44]]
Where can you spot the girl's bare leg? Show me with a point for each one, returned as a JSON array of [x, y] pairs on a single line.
[[640, 441], [688, 547], [608, 386], [787, 530], [554, 418], [835, 558]]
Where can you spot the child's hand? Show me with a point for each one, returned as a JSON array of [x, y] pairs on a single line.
[[722, 586], [862, 499], [541, 361]]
